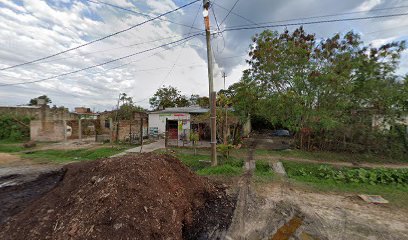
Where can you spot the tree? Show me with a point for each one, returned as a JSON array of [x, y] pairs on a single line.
[[128, 108], [168, 97], [34, 101], [326, 91]]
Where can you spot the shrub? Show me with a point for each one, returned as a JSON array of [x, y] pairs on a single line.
[[350, 175]]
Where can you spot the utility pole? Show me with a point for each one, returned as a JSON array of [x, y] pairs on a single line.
[[206, 6], [226, 113]]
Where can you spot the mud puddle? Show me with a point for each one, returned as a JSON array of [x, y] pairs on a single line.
[[17, 191]]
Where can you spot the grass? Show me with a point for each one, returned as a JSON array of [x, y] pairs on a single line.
[[10, 148], [61, 156], [9, 141], [396, 194], [330, 156], [263, 171], [225, 170], [201, 163], [195, 162]]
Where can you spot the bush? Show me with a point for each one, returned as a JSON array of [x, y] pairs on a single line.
[[350, 175], [14, 128], [224, 149]]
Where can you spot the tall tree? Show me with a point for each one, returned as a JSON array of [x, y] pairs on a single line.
[[34, 101], [168, 97], [327, 88]]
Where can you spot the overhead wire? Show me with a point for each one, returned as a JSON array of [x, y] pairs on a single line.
[[311, 17], [234, 13], [229, 12], [115, 48], [219, 30], [100, 39], [175, 62], [100, 64], [313, 22], [138, 13]]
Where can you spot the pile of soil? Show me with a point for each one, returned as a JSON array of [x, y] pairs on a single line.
[[146, 196]]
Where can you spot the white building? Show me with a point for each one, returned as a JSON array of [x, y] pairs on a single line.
[[178, 121]]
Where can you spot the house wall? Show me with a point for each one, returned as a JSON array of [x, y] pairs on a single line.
[[47, 130], [129, 128], [158, 120], [38, 112]]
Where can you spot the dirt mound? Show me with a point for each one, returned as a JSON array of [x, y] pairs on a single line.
[[144, 196]]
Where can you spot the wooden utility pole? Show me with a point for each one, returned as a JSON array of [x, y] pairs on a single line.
[[141, 133], [212, 95], [226, 113]]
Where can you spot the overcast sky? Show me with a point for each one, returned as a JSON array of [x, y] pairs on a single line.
[[33, 29]]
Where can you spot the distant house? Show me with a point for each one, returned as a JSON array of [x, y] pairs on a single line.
[[179, 121]]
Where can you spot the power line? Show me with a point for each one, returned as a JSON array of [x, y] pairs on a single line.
[[236, 14], [175, 62], [311, 17], [219, 30], [115, 48], [102, 38], [229, 12], [314, 22], [139, 13], [98, 65]]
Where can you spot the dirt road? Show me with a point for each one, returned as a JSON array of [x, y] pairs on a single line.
[[279, 210]]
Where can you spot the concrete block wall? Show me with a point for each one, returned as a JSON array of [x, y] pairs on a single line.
[[47, 130]]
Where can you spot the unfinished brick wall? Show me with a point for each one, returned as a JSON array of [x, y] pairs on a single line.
[[130, 128], [47, 130]]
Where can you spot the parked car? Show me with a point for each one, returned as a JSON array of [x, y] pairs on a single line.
[[281, 133]]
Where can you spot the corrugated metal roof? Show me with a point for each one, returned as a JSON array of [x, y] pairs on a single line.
[[193, 109]]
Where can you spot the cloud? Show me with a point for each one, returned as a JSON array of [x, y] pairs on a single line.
[[368, 5], [33, 29]]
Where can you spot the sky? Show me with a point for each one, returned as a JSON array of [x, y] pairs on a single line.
[[34, 29]]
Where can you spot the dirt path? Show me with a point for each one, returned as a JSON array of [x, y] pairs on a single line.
[[144, 149], [341, 216], [237, 229], [335, 163], [280, 210]]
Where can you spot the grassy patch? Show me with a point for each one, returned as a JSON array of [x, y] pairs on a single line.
[[195, 162], [9, 148], [61, 156], [263, 171], [201, 163], [395, 193], [331, 156], [226, 170], [9, 141]]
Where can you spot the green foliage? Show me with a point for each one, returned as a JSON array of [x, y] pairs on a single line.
[[349, 175], [326, 91], [168, 97], [34, 101], [226, 170], [194, 137], [9, 148], [61, 156], [14, 128], [224, 149], [263, 171], [127, 108], [195, 162]]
